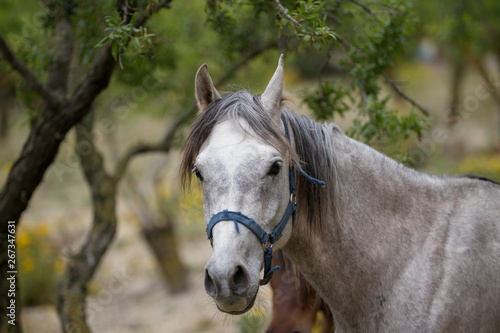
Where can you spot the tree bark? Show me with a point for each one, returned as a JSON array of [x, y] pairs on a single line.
[[456, 83], [163, 243], [7, 98], [81, 267]]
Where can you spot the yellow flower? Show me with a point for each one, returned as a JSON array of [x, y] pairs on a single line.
[[23, 239], [28, 264]]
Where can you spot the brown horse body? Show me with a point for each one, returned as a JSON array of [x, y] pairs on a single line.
[[295, 303]]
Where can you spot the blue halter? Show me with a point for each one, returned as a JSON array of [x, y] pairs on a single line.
[[267, 239]]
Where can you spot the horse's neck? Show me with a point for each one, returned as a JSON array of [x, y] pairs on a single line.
[[379, 199], [368, 230]]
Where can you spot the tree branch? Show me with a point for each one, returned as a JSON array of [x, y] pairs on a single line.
[[95, 82], [165, 144], [364, 7], [284, 11], [100, 73], [31, 80], [481, 69], [62, 51], [404, 96], [142, 19]]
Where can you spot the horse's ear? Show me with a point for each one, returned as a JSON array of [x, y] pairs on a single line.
[[204, 88], [271, 98]]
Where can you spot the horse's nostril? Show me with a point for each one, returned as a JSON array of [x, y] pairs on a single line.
[[240, 279], [210, 286]]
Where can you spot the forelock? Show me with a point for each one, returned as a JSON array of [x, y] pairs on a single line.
[[233, 106]]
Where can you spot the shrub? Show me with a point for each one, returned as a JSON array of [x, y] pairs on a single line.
[[39, 266]]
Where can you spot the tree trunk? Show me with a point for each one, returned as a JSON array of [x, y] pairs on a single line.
[[456, 83], [163, 244], [26, 173], [7, 98], [483, 72], [81, 267], [38, 153], [4, 119]]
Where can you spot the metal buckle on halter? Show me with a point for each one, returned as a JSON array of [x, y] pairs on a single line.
[[293, 198], [267, 245]]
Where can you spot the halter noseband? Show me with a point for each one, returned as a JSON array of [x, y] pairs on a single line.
[[267, 239]]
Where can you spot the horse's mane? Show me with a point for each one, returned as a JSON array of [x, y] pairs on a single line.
[[313, 147], [481, 178]]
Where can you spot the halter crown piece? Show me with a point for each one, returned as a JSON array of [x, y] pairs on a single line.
[[267, 239]]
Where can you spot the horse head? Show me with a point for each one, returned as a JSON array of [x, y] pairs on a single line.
[[238, 149]]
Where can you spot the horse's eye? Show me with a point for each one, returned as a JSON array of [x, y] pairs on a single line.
[[197, 173], [275, 168]]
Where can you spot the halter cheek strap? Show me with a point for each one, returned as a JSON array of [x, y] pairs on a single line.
[[267, 239]]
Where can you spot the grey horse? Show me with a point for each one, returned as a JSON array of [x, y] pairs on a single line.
[[388, 248]]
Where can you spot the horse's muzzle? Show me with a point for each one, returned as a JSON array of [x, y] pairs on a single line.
[[229, 286]]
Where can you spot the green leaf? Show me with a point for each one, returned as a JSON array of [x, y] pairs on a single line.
[[114, 50]]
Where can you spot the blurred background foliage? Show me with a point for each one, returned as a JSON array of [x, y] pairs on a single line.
[[389, 73], [40, 265]]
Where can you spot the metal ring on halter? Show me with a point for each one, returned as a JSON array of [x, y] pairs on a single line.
[[265, 246]]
